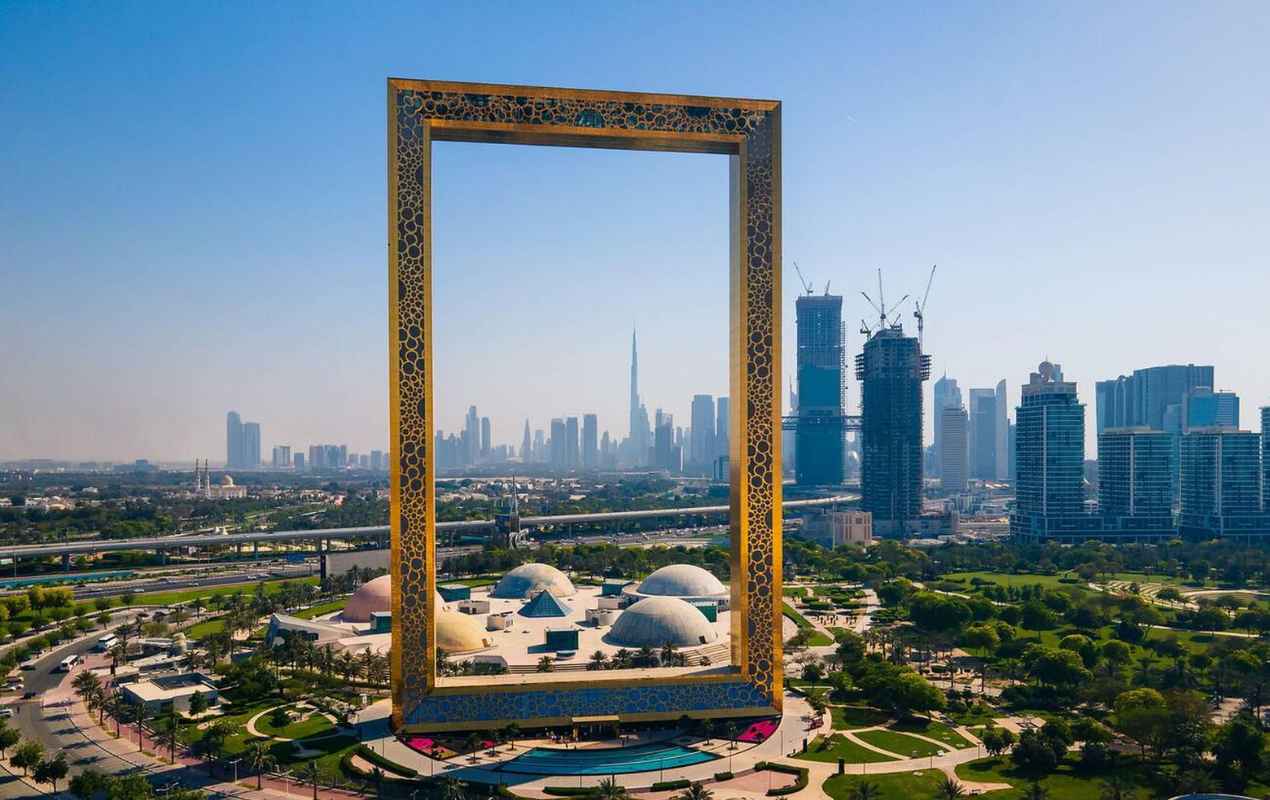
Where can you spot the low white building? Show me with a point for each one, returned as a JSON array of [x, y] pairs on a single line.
[[157, 695]]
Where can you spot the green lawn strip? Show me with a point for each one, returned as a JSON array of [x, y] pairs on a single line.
[[205, 628], [1065, 783], [900, 744], [171, 597], [818, 639], [848, 717], [838, 746], [321, 609], [933, 730], [795, 617], [475, 582], [301, 729], [893, 786]]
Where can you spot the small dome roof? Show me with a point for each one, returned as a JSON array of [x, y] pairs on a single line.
[[460, 633], [658, 621], [375, 596], [682, 580], [530, 579], [226, 480]]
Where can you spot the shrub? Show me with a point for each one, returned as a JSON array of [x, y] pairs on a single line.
[[385, 764], [569, 791], [723, 776], [671, 786], [799, 784]]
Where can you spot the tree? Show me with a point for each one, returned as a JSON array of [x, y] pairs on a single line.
[[938, 613], [696, 791], [451, 789], [261, 760], [997, 740], [312, 774], [865, 790], [1058, 668], [950, 789], [1117, 787], [1142, 715], [546, 664], [1239, 746], [1116, 653], [1034, 754], [983, 638], [27, 755], [1036, 791], [52, 770], [610, 789], [198, 704], [912, 692], [88, 783], [8, 738]]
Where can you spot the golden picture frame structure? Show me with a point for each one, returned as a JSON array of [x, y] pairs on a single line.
[[421, 112]]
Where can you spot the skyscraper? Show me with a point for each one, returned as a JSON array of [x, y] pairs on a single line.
[[1135, 491], [1050, 484], [1265, 459], [571, 454], [952, 448], [821, 362], [1149, 397], [233, 440], [947, 394], [472, 436], [890, 371], [559, 457], [1204, 408], [281, 456], [251, 445], [1221, 483], [590, 444], [723, 408], [983, 434], [638, 442], [702, 441], [664, 449], [486, 436], [526, 446]]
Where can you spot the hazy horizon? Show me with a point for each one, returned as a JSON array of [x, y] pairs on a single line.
[[195, 208]]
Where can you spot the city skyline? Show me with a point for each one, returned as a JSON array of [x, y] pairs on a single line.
[[1074, 206]]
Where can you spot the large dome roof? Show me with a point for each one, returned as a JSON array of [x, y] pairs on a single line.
[[658, 621], [530, 579], [372, 596], [460, 633], [376, 596], [682, 580]]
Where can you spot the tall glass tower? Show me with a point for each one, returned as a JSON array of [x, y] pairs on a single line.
[[1050, 446], [820, 431], [891, 371]]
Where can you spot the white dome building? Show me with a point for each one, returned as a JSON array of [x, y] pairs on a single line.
[[460, 633], [528, 580], [658, 621], [684, 581]]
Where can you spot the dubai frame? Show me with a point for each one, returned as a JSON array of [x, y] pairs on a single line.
[[748, 132]]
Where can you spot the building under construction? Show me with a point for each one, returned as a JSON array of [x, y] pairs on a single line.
[[819, 431], [890, 372]]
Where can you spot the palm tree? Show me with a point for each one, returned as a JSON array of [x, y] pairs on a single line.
[[696, 791], [261, 760], [471, 744], [950, 789], [1036, 791], [865, 790], [610, 789], [545, 664], [598, 660], [312, 774], [451, 789]]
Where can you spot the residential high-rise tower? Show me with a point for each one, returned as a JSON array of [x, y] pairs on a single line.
[[820, 429], [1050, 441]]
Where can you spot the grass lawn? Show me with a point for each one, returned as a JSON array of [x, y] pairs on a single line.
[[895, 786], [900, 744], [1065, 783], [818, 639], [933, 730], [475, 582], [839, 633], [313, 726], [794, 591], [322, 608], [200, 629], [838, 746], [1002, 579], [185, 595], [795, 617], [849, 717]]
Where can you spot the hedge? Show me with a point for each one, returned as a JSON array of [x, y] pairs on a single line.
[[385, 764], [799, 784], [670, 786], [723, 776], [569, 791]]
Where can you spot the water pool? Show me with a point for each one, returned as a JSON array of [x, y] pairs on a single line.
[[606, 761]]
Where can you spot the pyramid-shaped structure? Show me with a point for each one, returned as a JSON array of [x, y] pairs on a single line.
[[545, 604]]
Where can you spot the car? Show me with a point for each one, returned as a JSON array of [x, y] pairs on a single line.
[[29, 695], [6, 711]]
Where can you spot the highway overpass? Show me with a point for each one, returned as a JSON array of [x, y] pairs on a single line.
[[161, 543]]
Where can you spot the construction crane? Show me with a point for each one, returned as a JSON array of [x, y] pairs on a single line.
[[880, 306], [920, 311], [806, 283]]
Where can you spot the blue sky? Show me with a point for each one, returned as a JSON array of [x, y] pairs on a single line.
[[192, 212]]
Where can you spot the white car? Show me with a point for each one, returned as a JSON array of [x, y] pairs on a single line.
[[6, 711]]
